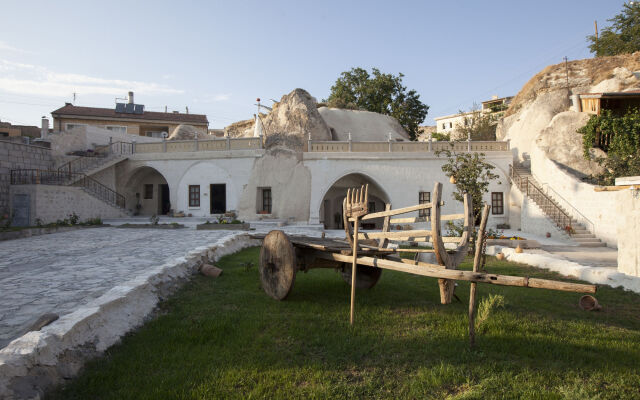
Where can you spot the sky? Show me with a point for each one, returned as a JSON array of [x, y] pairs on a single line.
[[217, 57]]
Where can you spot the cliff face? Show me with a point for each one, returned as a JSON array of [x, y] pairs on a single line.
[[540, 114]]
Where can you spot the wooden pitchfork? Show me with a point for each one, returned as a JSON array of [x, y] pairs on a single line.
[[355, 206]]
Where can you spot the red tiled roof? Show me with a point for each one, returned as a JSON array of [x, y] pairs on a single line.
[[70, 110]]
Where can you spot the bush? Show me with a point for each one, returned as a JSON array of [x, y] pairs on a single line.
[[623, 147]]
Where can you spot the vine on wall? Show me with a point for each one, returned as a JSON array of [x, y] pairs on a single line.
[[619, 136]]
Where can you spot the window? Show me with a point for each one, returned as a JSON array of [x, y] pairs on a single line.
[[424, 198], [497, 203], [148, 191], [194, 195], [116, 128], [73, 126], [372, 206], [266, 200], [444, 126], [450, 125]]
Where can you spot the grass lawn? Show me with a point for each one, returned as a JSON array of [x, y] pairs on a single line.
[[224, 338]]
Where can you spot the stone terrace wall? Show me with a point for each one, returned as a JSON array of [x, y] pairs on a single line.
[[16, 155]]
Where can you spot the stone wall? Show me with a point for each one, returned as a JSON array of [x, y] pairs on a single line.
[[14, 156], [51, 203], [628, 224]]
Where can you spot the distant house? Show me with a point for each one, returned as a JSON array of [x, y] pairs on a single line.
[[618, 102], [448, 123], [128, 118], [9, 130]]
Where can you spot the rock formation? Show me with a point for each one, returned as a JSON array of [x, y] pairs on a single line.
[[363, 125], [540, 114], [184, 132]]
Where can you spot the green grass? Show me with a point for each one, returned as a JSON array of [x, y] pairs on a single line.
[[224, 338]]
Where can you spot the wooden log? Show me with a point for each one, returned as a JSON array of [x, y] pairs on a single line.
[[476, 264], [436, 271], [354, 270]]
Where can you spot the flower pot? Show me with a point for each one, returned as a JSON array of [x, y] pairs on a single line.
[[452, 179], [500, 256], [548, 234], [518, 249]]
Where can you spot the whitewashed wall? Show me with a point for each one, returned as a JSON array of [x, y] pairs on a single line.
[[597, 207]]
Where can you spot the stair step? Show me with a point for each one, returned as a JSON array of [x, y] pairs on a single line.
[[593, 244], [583, 235], [586, 240]]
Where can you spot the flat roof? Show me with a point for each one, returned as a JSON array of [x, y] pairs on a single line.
[[109, 113]]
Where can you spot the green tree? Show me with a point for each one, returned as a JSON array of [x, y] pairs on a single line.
[[477, 124], [622, 37], [378, 92], [472, 175]]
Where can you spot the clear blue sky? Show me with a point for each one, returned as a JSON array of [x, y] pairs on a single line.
[[216, 57]]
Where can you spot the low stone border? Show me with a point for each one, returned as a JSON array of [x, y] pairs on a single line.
[[223, 227], [28, 232], [38, 360], [596, 275], [151, 226]]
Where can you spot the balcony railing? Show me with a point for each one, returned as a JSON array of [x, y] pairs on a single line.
[[179, 146], [404, 147]]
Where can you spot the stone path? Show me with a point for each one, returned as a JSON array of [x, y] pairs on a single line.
[[56, 273]]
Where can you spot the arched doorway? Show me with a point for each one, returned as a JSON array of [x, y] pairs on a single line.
[[331, 205], [147, 192]]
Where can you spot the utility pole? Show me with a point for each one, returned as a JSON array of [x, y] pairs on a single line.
[[596, 24], [566, 68]]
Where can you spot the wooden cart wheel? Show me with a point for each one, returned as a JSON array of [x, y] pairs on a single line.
[[366, 277], [277, 265]]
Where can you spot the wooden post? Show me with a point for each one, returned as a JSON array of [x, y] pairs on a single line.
[[476, 263], [354, 265]]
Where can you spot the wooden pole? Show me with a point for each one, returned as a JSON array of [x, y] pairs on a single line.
[[476, 263], [436, 271], [354, 267]]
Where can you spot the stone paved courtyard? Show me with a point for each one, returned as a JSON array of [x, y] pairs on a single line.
[[58, 272]]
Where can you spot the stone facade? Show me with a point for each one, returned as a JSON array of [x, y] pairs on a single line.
[[51, 203], [15, 156]]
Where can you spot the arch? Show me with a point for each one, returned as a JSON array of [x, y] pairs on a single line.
[[147, 192], [330, 207]]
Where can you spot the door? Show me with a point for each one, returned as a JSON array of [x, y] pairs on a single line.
[[21, 209], [164, 205], [218, 195]]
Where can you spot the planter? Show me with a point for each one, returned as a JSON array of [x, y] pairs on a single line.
[[500, 256], [223, 227], [28, 232]]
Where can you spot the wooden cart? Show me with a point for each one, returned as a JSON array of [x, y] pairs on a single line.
[[362, 256]]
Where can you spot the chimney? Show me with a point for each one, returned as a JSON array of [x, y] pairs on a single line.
[[44, 131], [130, 97], [187, 108]]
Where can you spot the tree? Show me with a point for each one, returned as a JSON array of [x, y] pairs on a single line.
[[477, 124], [622, 37], [381, 93], [472, 175]]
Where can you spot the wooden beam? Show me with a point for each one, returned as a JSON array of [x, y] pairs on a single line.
[[436, 271], [395, 212], [396, 234]]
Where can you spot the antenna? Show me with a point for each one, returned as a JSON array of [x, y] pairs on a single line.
[[74, 98]]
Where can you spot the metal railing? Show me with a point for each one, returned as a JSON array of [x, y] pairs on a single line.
[[562, 202], [62, 178], [546, 203], [100, 155]]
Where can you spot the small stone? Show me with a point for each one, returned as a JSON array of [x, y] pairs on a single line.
[[210, 270]]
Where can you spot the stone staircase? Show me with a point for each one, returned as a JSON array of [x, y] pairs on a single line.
[[522, 178]]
